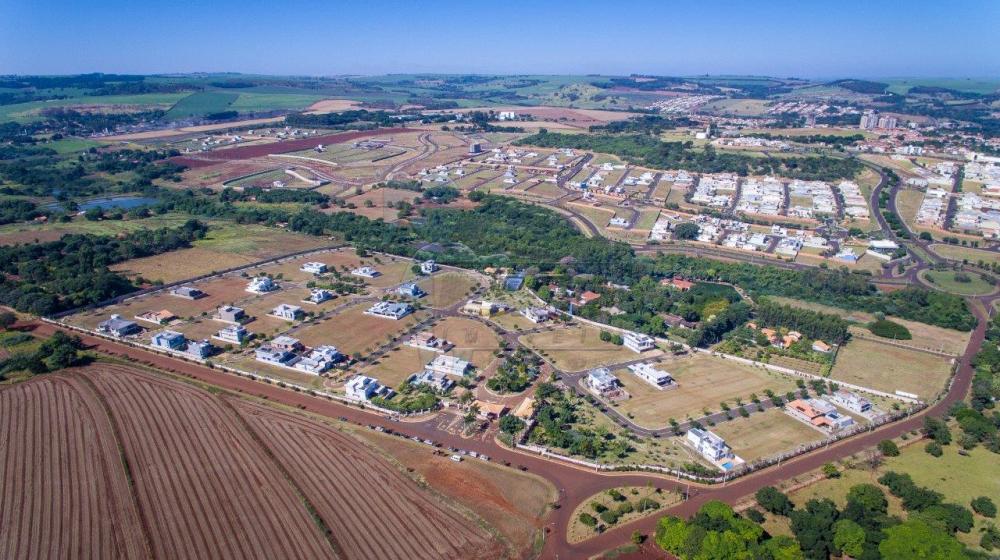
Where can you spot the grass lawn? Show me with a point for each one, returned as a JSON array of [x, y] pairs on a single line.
[[959, 253], [703, 381], [31, 232], [72, 144], [765, 434], [889, 368], [945, 280], [578, 532], [577, 348]]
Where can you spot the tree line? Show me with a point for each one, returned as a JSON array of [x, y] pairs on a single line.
[[813, 324]]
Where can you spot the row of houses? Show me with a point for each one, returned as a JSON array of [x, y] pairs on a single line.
[[855, 204], [820, 195], [716, 191], [933, 208], [761, 196], [286, 351]]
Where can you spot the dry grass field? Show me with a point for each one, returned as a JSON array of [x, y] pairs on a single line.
[[765, 434], [703, 381], [393, 368], [352, 331], [474, 341], [577, 348], [446, 288], [889, 368]]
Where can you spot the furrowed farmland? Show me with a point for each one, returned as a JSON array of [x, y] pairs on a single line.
[[126, 463]]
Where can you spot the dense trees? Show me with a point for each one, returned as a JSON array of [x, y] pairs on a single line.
[[652, 152], [716, 532], [57, 352], [889, 329], [813, 324], [516, 372]]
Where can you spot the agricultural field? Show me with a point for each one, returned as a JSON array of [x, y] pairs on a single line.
[[577, 348], [703, 382], [266, 179], [765, 434], [889, 368], [201, 103]]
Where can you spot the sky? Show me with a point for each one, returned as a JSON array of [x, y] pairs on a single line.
[[804, 38]]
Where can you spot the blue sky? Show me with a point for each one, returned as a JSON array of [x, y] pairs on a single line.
[[806, 38]]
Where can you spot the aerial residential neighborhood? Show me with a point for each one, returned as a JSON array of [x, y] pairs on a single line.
[[465, 281]]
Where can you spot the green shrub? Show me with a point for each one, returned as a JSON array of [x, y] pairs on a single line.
[[889, 329]]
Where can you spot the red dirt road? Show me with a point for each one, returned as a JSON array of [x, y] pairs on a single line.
[[574, 484], [214, 157]]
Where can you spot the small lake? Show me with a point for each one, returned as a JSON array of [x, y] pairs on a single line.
[[107, 203]]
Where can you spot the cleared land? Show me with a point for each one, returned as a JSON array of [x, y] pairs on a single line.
[[352, 331], [765, 434], [959, 253], [889, 368], [703, 381], [474, 341], [577, 348], [446, 289]]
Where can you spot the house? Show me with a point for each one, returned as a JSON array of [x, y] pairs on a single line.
[[116, 326], [514, 282], [286, 343], [366, 272], [287, 312], [261, 285], [230, 314], [168, 340], [602, 381], [318, 296], [536, 314], [437, 381], [270, 355], [428, 267], [187, 292], [199, 349], [655, 377], [676, 321], [709, 445], [426, 340], [482, 308], [313, 267], [588, 296], [449, 365], [410, 289], [233, 334], [852, 401], [319, 360], [618, 222], [390, 310], [491, 411], [882, 248], [821, 347], [818, 413], [161, 317], [637, 342], [681, 284], [362, 388]]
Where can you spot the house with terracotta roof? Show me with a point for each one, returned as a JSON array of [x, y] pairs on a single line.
[[681, 284], [818, 413], [588, 296]]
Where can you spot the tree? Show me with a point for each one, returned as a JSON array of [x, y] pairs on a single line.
[[937, 429], [7, 319], [637, 537], [830, 471], [774, 501], [588, 520], [888, 448], [511, 424], [813, 527], [934, 448], [916, 539], [687, 230], [783, 547], [984, 506], [849, 537]]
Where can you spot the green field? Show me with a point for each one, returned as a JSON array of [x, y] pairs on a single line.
[[200, 104], [31, 111], [984, 87], [71, 145], [251, 102], [944, 280]]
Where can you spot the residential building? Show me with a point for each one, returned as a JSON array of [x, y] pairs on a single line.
[[362, 388], [199, 349], [429, 267], [187, 292], [168, 340], [437, 381], [491, 411], [482, 308], [313, 267], [320, 359], [261, 285], [318, 295], [161, 317], [366, 272], [818, 413], [536, 314], [852, 401], [286, 343], [410, 289], [821, 347], [116, 326], [638, 342], [233, 334], [230, 314], [449, 365], [426, 340], [588, 296], [602, 381], [287, 312], [678, 283], [709, 445], [275, 356], [390, 310], [655, 377]]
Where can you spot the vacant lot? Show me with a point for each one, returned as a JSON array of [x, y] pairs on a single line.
[[393, 368], [577, 348], [703, 381], [352, 331], [447, 288], [959, 253], [888, 368], [765, 434], [474, 341]]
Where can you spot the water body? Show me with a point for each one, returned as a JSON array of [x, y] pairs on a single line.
[[107, 203]]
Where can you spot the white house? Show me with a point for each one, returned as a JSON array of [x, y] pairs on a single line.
[[637, 342], [655, 377], [410, 289], [602, 381], [536, 314], [429, 267], [318, 295], [199, 349], [233, 334], [261, 285], [169, 340], [426, 340], [390, 310], [313, 267], [187, 292], [437, 381], [116, 326], [362, 388], [711, 446], [365, 272], [852, 401], [271, 355], [449, 365], [287, 312], [319, 360]]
